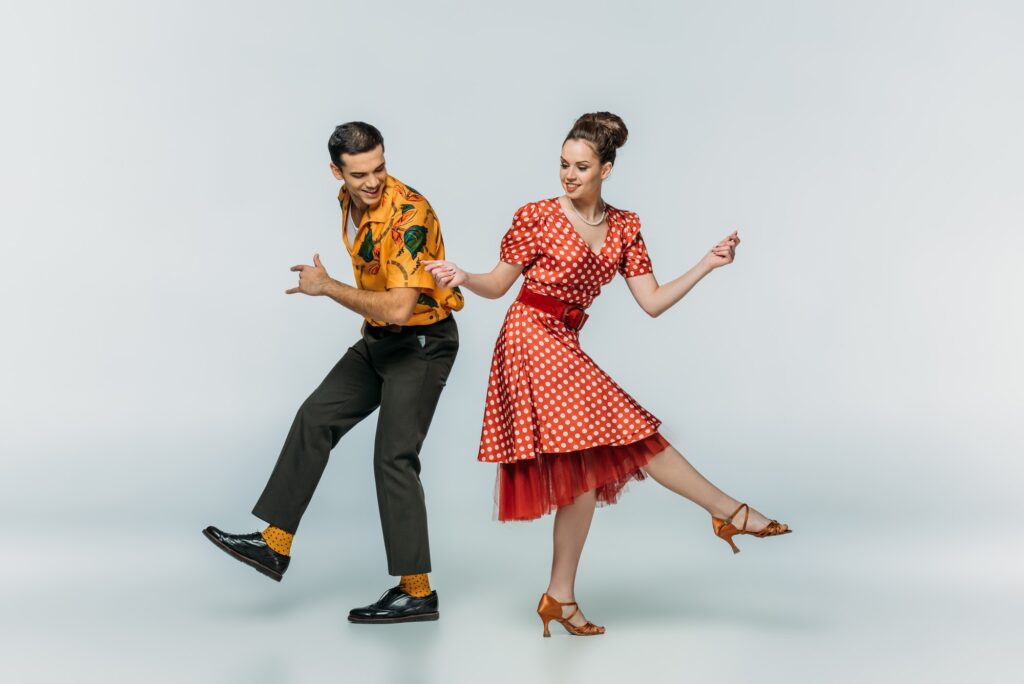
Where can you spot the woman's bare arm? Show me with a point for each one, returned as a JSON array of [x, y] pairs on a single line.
[[656, 299], [491, 285]]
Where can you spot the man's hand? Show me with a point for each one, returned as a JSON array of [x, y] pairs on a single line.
[[312, 279]]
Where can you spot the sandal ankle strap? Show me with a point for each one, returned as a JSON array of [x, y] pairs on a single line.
[[746, 516]]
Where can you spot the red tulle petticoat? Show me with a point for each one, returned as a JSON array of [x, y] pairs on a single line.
[[530, 488]]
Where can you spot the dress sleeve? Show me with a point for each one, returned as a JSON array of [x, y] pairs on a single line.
[[520, 243], [635, 260], [414, 235]]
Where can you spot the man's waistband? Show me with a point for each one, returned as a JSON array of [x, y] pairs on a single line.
[[395, 329]]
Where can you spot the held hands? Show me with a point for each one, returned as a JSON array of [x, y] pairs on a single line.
[[723, 253], [312, 279], [446, 273]]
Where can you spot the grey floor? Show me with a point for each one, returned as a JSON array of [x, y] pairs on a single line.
[[846, 598]]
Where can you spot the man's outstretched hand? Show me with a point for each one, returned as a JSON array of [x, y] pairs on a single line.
[[312, 279]]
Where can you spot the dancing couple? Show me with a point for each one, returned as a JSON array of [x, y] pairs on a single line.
[[565, 437]]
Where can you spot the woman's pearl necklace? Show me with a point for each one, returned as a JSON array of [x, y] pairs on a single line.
[[604, 210]]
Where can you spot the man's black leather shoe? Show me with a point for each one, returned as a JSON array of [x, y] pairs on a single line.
[[397, 606], [252, 550]]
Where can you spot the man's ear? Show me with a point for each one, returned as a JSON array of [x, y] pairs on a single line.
[[336, 171]]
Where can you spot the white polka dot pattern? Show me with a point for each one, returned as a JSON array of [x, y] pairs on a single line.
[[545, 395], [559, 263]]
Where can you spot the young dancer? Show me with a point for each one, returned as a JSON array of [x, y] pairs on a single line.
[[564, 435], [399, 365]]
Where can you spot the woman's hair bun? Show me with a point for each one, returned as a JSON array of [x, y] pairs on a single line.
[[605, 131]]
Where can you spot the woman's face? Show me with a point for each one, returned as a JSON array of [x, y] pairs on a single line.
[[582, 171]]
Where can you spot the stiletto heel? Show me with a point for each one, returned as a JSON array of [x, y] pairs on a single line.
[[549, 609], [726, 529]]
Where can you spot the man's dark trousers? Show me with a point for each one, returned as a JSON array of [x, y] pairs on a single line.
[[403, 373]]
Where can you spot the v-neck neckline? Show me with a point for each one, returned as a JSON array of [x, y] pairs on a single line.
[[608, 230]]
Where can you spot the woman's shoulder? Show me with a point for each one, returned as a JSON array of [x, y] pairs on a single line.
[[541, 207], [628, 221], [624, 215], [536, 212]]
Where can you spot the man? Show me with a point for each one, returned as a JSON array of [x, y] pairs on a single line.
[[399, 365]]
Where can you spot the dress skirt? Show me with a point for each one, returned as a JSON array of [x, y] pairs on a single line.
[[556, 424], [530, 488]]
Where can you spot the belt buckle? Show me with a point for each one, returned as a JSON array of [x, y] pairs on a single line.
[[574, 316]]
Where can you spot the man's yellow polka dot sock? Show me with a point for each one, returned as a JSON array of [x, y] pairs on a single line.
[[278, 540], [416, 586]]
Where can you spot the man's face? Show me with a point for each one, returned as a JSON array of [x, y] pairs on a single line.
[[364, 175]]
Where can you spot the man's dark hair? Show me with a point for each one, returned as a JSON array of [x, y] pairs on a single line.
[[354, 137]]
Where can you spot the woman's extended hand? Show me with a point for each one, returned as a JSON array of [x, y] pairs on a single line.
[[723, 253], [445, 273]]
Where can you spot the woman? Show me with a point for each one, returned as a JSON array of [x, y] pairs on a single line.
[[565, 436]]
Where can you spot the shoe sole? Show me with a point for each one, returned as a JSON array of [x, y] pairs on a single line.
[[262, 569], [422, 617]]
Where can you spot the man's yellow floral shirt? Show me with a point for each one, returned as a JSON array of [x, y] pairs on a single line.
[[393, 236]]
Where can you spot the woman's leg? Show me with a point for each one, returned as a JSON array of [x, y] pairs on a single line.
[[572, 524], [671, 470]]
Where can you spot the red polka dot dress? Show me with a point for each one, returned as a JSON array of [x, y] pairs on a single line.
[[556, 423]]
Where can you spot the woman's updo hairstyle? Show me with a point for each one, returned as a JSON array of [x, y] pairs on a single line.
[[605, 131]]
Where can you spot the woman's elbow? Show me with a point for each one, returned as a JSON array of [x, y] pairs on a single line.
[[503, 288], [650, 307]]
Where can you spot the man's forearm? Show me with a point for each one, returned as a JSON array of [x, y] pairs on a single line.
[[379, 306]]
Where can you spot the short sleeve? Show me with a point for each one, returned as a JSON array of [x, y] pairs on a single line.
[[519, 245], [635, 260], [414, 234]]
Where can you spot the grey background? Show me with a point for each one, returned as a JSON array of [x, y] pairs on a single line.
[[855, 373]]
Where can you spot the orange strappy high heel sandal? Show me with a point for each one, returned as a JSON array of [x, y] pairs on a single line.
[[726, 529], [549, 609]]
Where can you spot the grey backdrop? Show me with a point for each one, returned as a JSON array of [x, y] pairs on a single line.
[[856, 372]]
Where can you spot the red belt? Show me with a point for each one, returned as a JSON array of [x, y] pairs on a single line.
[[571, 314]]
